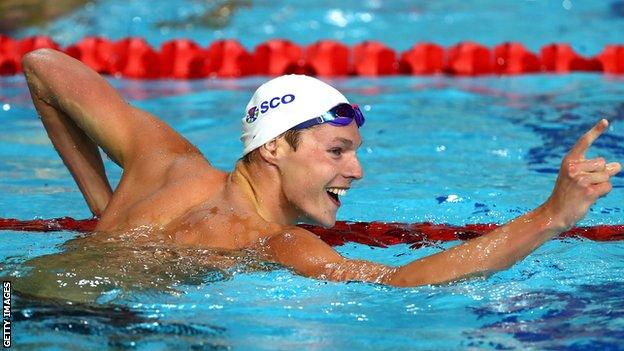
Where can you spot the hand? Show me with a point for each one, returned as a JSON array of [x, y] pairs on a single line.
[[581, 182]]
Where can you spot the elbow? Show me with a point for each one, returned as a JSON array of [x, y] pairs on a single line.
[[400, 280], [486, 271], [36, 66], [499, 266], [35, 59]]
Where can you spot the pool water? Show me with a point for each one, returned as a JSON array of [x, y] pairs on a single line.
[[447, 150]]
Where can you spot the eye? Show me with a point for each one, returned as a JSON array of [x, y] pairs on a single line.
[[336, 151]]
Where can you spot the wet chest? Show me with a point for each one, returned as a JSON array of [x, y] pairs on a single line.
[[217, 225]]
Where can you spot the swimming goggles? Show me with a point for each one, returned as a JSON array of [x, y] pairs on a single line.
[[339, 115]]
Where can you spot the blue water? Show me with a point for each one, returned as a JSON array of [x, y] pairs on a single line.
[[438, 149], [587, 25]]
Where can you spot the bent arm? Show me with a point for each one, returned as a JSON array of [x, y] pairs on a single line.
[[310, 256], [125, 133], [482, 256], [81, 111], [62, 85], [579, 184], [79, 153], [53, 92]]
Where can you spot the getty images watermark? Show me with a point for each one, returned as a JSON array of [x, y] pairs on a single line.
[[6, 314]]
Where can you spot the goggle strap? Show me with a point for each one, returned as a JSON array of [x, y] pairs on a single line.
[[330, 116]]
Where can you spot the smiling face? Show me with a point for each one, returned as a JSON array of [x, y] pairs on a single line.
[[320, 171]]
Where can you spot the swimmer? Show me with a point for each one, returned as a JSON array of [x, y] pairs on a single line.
[[300, 139]]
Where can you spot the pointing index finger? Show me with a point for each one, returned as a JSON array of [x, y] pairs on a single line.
[[584, 142]]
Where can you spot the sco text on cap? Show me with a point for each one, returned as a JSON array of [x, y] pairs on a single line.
[[274, 102]]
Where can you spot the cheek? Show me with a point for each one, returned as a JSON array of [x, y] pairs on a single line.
[[305, 179], [296, 178]]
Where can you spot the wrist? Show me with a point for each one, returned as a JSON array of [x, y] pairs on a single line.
[[553, 219]]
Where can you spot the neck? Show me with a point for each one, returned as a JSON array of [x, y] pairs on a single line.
[[261, 186]]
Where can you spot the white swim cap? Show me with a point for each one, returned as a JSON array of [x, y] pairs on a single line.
[[283, 103]]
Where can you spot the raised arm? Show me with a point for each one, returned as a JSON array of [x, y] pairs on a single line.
[[580, 183], [81, 111]]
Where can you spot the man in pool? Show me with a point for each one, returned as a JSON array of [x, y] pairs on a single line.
[[300, 138]]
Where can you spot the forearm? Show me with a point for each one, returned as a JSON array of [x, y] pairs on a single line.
[[579, 184], [79, 153], [495, 251], [86, 98]]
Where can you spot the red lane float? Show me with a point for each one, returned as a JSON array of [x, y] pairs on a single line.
[[94, 52], [182, 59], [561, 58], [277, 57], [372, 58], [368, 233], [33, 43], [514, 58], [136, 59], [612, 59], [185, 59], [328, 58], [421, 59], [11, 51], [228, 58], [469, 59], [9, 60], [49, 225]]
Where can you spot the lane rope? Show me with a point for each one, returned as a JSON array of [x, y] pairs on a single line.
[[369, 233], [184, 59]]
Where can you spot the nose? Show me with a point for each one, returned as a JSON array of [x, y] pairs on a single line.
[[354, 168]]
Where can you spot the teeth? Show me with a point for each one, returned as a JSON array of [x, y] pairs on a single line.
[[337, 191]]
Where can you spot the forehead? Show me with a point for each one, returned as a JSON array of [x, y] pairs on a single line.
[[327, 133]]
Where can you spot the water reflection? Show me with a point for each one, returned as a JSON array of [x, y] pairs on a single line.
[[122, 327], [550, 319], [105, 268]]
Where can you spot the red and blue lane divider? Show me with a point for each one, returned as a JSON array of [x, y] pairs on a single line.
[[185, 59], [369, 233]]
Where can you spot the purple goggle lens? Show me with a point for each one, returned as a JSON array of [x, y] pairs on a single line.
[[339, 115]]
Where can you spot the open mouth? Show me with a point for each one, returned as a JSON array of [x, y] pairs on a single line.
[[335, 193]]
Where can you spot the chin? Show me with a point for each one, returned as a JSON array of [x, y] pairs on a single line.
[[326, 222], [321, 222]]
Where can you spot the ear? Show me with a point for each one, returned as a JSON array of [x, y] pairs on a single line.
[[270, 151]]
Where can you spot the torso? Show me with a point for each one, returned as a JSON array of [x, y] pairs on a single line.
[[191, 202]]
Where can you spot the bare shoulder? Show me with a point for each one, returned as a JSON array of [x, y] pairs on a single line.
[[157, 194]]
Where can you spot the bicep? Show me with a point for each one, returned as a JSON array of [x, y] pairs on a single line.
[[308, 255], [93, 105]]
